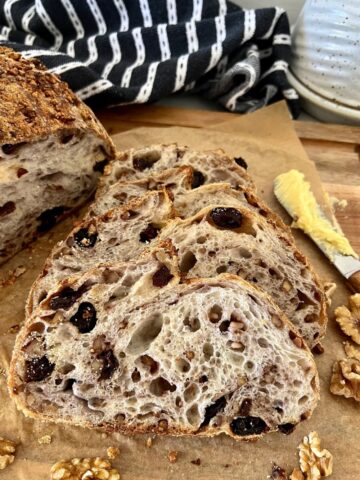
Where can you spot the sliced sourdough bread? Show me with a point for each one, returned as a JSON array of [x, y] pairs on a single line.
[[120, 234], [235, 240], [52, 149], [175, 180], [202, 358], [209, 167]]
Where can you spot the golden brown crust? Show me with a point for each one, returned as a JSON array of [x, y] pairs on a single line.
[[34, 103]]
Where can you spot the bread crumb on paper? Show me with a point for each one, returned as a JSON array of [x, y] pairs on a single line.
[[277, 473], [12, 276], [172, 456], [45, 440], [113, 452], [149, 442], [197, 462]]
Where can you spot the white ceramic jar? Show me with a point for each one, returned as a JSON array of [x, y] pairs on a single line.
[[325, 66]]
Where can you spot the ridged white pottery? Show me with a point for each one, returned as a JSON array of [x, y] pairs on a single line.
[[326, 51]]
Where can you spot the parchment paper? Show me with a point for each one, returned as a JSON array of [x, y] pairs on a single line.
[[267, 141]]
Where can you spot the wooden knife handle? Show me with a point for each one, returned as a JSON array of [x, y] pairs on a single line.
[[354, 282]]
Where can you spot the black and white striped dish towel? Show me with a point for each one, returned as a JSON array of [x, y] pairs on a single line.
[[115, 52]]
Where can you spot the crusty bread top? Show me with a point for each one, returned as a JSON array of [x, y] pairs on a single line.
[[35, 103]]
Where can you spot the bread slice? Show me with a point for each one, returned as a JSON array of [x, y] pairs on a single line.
[[187, 201], [235, 240], [175, 180], [52, 149], [202, 358], [120, 234], [209, 167]]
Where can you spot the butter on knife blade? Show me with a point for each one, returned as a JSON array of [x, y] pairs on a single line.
[[295, 195]]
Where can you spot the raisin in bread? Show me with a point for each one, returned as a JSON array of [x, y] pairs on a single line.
[[238, 241], [51, 150], [120, 234], [207, 357], [175, 180], [209, 167]]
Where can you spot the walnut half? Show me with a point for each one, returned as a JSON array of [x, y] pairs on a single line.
[[7, 453], [314, 462], [84, 469], [345, 378], [349, 318]]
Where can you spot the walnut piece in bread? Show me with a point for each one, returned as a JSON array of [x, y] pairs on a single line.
[[51, 150]]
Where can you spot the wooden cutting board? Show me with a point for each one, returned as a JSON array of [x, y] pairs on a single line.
[[335, 149]]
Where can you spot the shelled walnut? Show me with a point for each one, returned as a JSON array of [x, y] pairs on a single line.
[[345, 378], [314, 462], [84, 469], [7, 452], [349, 318]]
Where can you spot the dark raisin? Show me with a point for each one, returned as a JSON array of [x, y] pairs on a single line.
[[149, 233], [224, 326], [241, 162], [66, 138], [248, 426], [66, 298], [318, 349], [145, 161], [162, 277], [286, 428], [277, 473], [7, 208], [68, 384], [49, 218], [9, 148], [245, 407], [203, 379], [21, 171], [84, 239], [85, 317], [226, 217], [37, 369], [212, 410], [99, 166], [110, 363], [198, 179]]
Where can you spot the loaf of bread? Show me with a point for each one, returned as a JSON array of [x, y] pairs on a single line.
[[120, 234], [209, 167], [235, 240], [52, 150], [122, 348], [175, 180]]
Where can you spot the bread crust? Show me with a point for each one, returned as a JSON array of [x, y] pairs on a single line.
[[36, 103]]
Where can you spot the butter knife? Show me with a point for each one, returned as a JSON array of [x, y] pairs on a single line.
[[347, 265]]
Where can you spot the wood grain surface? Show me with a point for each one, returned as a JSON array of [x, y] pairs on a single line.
[[335, 149]]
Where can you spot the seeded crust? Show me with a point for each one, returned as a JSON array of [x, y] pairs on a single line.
[[113, 236], [51, 148], [168, 347], [214, 166], [258, 251]]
